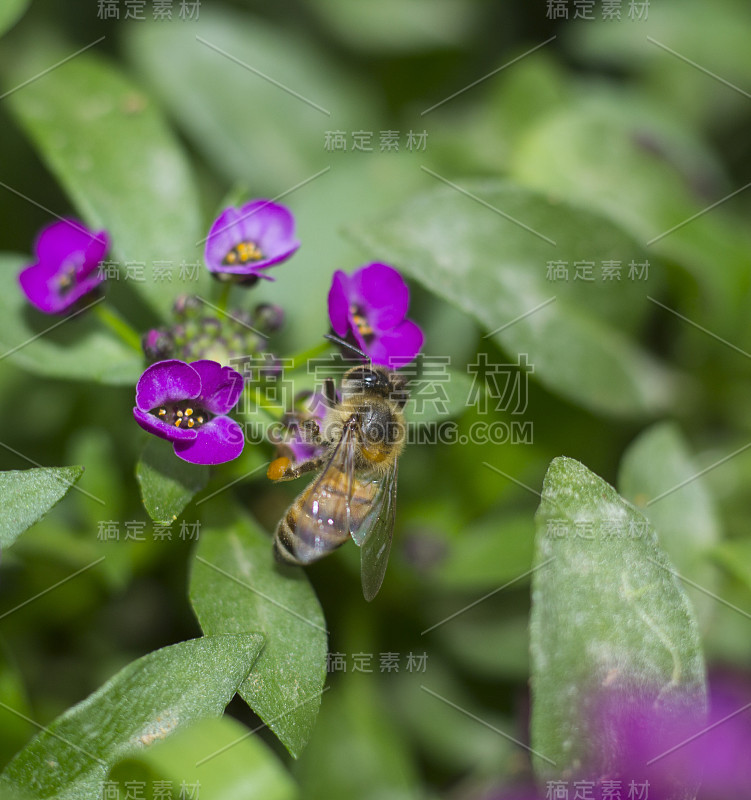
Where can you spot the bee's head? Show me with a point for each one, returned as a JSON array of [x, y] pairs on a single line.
[[375, 380]]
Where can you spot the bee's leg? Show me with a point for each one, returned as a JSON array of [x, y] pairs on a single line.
[[312, 433], [282, 469]]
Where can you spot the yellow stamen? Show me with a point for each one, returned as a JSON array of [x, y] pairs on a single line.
[[243, 252], [360, 321]]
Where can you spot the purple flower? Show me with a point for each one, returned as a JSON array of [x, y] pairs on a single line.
[[186, 404], [372, 305], [314, 406], [724, 748], [68, 255], [245, 241]]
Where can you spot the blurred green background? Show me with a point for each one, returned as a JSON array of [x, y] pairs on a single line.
[[588, 130]]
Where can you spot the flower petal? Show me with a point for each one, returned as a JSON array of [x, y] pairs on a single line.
[[221, 387], [58, 241], [217, 441], [269, 225], [36, 284], [222, 237], [381, 293], [161, 429], [396, 347], [167, 382], [95, 252], [339, 303]]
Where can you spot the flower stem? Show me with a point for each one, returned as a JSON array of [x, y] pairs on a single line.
[[223, 300], [302, 358], [118, 325]]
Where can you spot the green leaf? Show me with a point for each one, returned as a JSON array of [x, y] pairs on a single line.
[[487, 554], [357, 750], [445, 734], [219, 755], [16, 729], [489, 642], [27, 495], [395, 27], [652, 469], [232, 111], [111, 150], [645, 171], [10, 13], [495, 271], [608, 616], [437, 399], [145, 702], [735, 557], [167, 482], [73, 348], [693, 29], [235, 587]]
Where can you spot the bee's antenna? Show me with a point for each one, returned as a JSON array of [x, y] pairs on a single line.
[[338, 340]]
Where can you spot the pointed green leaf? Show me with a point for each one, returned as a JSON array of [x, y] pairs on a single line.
[[27, 495], [167, 482], [235, 587], [496, 270], [608, 615], [144, 703]]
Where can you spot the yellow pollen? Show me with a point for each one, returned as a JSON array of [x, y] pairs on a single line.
[[188, 412], [243, 252], [179, 413], [191, 423], [162, 412], [360, 321], [177, 423], [200, 419]]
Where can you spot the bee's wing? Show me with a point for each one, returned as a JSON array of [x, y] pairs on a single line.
[[375, 533], [324, 518]]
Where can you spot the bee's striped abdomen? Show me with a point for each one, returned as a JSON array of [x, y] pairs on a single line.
[[319, 520]]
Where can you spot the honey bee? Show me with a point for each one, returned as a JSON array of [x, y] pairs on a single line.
[[355, 493]]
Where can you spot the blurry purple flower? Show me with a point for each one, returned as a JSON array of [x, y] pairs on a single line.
[[268, 318], [186, 404], [676, 746], [245, 241], [723, 748], [158, 344], [372, 304], [648, 740], [313, 407], [68, 255]]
